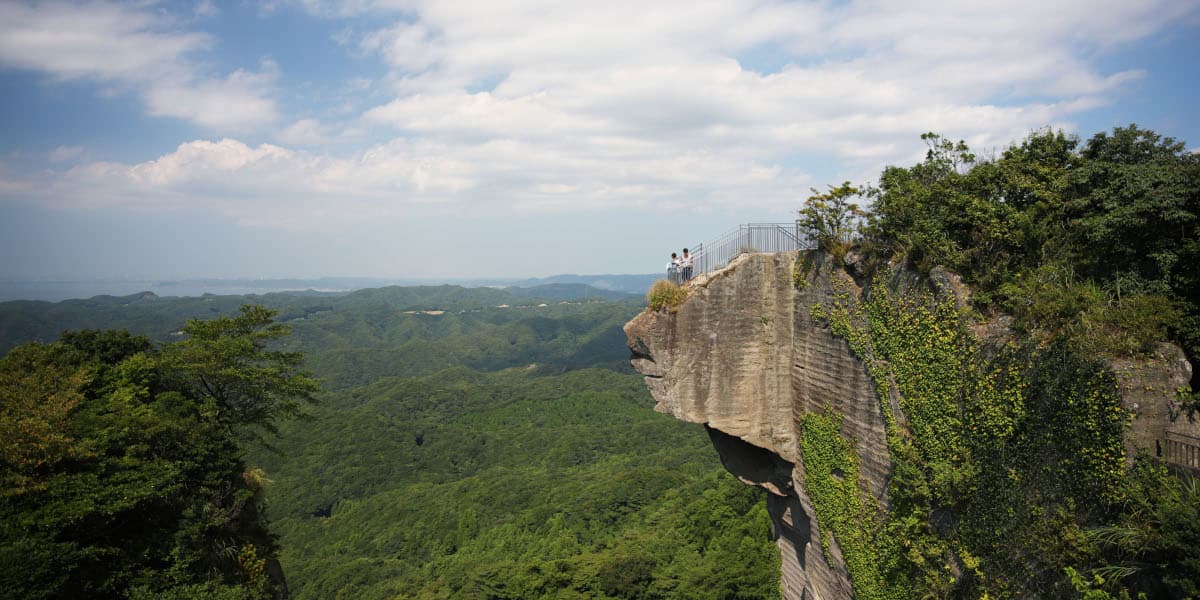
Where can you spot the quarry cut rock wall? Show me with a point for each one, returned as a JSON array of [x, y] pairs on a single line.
[[743, 356]]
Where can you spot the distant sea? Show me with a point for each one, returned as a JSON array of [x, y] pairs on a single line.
[[54, 291]]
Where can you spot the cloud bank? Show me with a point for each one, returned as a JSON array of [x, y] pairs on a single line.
[[139, 49], [545, 106]]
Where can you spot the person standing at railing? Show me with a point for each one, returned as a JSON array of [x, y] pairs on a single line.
[[673, 269], [685, 264]]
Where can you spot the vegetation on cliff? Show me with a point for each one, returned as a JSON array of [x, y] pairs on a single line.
[[665, 294], [1097, 242], [1009, 472], [1001, 455]]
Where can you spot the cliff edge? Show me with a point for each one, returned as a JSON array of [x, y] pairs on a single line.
[[744, 355]]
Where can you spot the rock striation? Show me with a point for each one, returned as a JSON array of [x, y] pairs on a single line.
[[743, 356]]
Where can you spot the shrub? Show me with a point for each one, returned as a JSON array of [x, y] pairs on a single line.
[[1133, 324], [665, 294], [831, 219]]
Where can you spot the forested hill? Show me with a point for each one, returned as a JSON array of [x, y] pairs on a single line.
[[468, 443], [158, 317]]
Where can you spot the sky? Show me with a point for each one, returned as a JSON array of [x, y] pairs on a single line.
[[443, 138]]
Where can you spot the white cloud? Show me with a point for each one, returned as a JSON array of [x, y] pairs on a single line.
[[305, 132], [540, 105], [205, 8], [65, 153], [134, 47], [408, 46], [238, 102], [103, 41], [272, 186], [859, 80]]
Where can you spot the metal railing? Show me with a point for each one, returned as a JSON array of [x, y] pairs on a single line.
[[751, 237]]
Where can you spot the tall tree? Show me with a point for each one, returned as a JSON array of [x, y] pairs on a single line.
[[228, 365]]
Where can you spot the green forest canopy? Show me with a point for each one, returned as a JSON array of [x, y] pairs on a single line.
[[1098, 241], [448, 449]]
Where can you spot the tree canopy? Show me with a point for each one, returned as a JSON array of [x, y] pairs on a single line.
[[480, 452], [121, 468], [1099, 240]]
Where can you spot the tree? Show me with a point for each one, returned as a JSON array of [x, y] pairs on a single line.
[[1138, 208], [926, 212], [227, 364], [120, 465], [830, 218], [1136, 222]]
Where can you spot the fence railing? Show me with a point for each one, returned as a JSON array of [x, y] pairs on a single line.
[[1183, 450], [751, 237]]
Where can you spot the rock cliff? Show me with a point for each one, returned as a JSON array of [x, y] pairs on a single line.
[[743, 356]]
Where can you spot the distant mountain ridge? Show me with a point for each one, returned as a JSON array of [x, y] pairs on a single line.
[[158, 316], [634, 284], [66, 290]]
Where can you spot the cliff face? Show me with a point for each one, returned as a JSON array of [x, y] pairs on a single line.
[[743, 356]]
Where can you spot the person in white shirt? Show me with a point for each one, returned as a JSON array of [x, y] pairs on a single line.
[[685, 265], [673, 269]]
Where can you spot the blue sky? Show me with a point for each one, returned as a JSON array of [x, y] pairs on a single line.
[[438, 138]]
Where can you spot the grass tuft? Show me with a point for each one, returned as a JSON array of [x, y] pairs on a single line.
[[665, 294]]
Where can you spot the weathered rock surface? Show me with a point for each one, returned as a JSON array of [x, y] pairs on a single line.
[[743, 356], [1148, 390]]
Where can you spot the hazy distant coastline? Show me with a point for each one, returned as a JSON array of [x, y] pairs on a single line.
[[54, 291]]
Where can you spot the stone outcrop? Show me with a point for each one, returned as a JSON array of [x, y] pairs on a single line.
[[743, 356], [1157, 423]]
